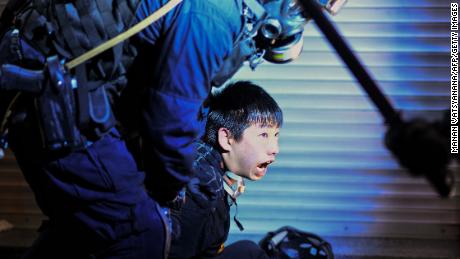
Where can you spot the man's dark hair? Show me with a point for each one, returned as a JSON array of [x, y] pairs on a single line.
[[237, 106]]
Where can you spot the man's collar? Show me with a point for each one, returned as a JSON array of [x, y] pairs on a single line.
[[234, 185]]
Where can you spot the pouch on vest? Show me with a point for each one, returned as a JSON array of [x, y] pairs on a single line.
[[56, 108], [26, 71]]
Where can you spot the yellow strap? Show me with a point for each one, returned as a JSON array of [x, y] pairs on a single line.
[[123, 36]]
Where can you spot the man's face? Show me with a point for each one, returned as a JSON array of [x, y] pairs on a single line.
[[253, 153]]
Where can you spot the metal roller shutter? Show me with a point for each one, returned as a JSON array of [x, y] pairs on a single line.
[[333, 175]]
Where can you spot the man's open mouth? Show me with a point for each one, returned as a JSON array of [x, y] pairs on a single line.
[[264, 165]]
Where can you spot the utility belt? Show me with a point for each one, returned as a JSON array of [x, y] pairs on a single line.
[[58, 107], [67, 106]]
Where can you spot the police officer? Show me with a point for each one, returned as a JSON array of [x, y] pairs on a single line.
[[62, 127], [94, 195]]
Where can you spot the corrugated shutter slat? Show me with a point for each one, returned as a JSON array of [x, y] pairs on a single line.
[[333, 175]]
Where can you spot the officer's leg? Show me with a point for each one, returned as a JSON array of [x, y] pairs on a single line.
[[72, 240], [149, 243], [143, 234], [62, 241], [45, 246], [98, 189]]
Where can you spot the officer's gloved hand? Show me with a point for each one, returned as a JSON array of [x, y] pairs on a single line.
[[176, 203], [172, 210], [421, 147]]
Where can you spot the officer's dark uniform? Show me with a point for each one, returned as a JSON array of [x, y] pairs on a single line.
[[204, 219], [94, 196]]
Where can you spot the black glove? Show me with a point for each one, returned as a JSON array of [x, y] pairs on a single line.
[[421, 148], [172, 210]]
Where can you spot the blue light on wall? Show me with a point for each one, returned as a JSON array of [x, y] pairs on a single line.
[[334, 175]]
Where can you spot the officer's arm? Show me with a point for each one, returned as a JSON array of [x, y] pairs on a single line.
[[190, 49]]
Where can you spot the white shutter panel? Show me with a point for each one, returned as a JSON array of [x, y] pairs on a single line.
[[333, 176]]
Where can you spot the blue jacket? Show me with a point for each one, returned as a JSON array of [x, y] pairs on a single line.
[[100, 186], [182, 52]]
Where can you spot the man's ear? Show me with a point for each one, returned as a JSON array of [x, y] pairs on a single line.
[[225, 139]]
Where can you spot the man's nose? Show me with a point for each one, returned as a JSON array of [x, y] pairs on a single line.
[[273, 147]]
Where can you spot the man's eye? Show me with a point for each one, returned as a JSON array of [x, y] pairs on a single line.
[[264, 135]]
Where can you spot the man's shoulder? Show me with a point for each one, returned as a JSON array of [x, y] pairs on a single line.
[[206, 156], [208, 163]]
